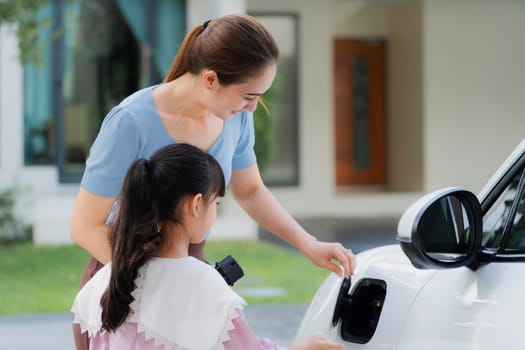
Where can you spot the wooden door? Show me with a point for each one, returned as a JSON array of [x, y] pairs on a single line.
[[359, 78]]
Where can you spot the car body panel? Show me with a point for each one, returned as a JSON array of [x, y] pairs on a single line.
[[471, 308], [478, 307], [387, 263]]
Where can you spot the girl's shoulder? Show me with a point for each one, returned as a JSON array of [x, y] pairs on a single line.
[[86, 307], [184, 302], [194, 272]]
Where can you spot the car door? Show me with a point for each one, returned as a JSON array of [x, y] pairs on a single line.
[[479, 307]]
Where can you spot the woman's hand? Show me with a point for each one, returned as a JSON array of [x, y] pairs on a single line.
[[317, 342], [325, 254]]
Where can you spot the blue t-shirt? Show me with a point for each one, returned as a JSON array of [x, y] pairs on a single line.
[[134, 130]]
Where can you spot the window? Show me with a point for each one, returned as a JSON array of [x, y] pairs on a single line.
[[39, 117], [516, 240], [97, 53], [508, 210], [101, 67], [276, 135]]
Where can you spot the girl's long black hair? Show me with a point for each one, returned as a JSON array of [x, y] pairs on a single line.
[[152, 191]]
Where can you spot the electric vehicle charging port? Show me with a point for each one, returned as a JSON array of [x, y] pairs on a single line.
[[358, 312]]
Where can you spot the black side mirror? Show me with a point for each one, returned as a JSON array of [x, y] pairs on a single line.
[[442, 229]]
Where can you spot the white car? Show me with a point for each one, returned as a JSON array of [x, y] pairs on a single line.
[[455, 281]]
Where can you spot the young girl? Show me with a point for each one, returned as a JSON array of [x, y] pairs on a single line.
[[153, 295]]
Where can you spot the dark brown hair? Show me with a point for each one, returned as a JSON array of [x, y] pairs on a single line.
[[236, 47], [151, 194]]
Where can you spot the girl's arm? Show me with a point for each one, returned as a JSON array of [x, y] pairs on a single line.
[[243, 337], [88, 224], [254, 197]]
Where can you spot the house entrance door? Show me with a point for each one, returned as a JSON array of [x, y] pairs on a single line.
[[359, 79]]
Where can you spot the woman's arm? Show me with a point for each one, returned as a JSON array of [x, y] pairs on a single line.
[[254, 197], [88, 224]]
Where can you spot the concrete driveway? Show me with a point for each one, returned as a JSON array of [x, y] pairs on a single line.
[[53, 331]]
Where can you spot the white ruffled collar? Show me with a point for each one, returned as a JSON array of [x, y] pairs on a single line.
[[197, 316]]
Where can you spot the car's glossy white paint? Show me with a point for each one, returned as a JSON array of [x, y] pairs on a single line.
[[480, 310], [430, 309], [404, 282]]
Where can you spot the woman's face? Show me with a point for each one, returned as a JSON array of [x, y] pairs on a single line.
[[232, 99]]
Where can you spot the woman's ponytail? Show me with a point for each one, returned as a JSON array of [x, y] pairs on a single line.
[[235, 46], [180, 64]]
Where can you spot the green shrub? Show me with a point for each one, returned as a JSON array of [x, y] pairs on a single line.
[[264, 131], [11, 226]]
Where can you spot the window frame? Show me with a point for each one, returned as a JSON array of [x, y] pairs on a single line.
[[501, 255], [295, 179]]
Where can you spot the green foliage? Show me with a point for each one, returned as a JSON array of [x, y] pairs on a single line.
[[39, 279], [11, 226], [268, 266], [23, 14], [263, 124], [45, 279]]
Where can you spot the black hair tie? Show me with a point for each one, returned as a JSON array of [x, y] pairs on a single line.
[[205, 24], [147, 164]]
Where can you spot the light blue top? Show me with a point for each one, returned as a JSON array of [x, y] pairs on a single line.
[[134, 130]]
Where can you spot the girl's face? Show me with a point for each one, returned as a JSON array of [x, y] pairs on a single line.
[[232, 99], [206, 215]]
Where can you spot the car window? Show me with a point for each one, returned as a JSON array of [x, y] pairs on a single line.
[[516, 241], [496, 217]]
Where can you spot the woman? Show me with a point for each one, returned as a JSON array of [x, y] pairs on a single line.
[[207, 100], [153, 295]]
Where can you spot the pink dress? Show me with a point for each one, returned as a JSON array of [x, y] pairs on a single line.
[[242, 337], [179, 304]]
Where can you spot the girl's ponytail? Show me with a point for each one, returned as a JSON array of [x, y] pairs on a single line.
[[134, 239]]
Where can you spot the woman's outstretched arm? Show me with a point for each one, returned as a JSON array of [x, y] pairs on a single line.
[[256, 199]]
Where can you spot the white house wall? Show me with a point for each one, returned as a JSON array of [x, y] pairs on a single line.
[[474, 83], [11, 120], [359, 19], [199, 11], [11, 117], [405, 97]]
